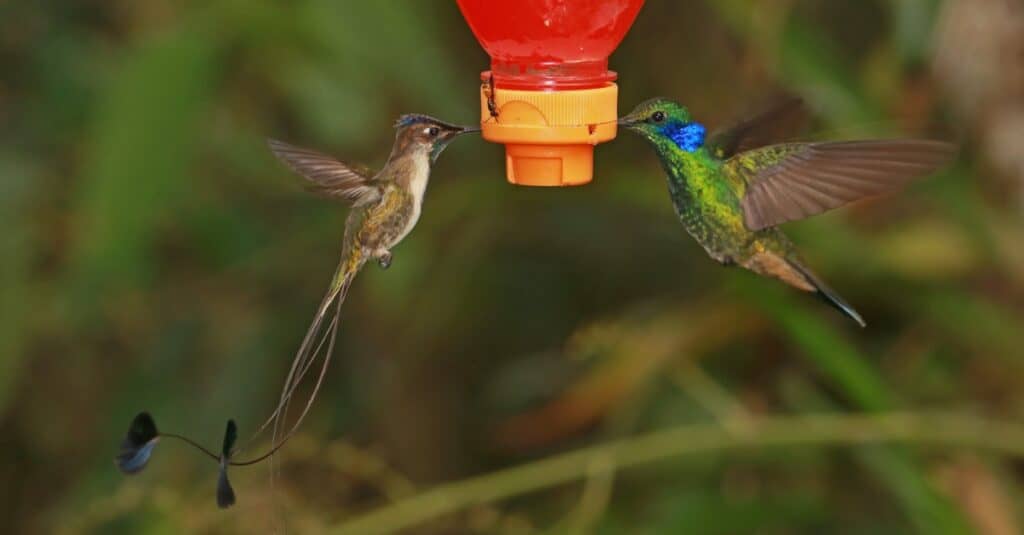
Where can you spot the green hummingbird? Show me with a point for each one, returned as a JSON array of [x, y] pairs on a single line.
[[731, 200], [385, 207]]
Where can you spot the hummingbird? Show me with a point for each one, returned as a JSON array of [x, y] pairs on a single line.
[[731, 195], [385, 207]]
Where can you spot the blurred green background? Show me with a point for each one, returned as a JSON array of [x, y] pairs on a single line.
[[155, 256]]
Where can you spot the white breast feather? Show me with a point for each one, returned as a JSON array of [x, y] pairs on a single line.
[[418, 187]]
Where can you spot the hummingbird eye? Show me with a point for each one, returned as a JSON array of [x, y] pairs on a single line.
[[658, 116], [433, 131]]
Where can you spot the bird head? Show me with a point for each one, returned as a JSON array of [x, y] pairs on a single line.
[[660, 119], [427, 135]]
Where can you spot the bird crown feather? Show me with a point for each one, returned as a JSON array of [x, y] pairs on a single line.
[[413, 118]]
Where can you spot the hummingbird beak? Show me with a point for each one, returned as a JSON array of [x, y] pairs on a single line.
[[455, 131], [452, 131], [626, 122]]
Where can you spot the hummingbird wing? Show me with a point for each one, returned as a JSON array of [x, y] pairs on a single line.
[[328, 176], [796, 180], [783, 117]]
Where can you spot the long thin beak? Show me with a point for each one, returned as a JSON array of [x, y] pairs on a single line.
[[458, 130], [625, 121]]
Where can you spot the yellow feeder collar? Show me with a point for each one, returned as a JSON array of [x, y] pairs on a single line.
[[549, 136]]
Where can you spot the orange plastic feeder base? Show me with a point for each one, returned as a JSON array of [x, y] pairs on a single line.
[[549, 136]]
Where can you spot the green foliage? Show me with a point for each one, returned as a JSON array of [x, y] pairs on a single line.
[[141, 150]]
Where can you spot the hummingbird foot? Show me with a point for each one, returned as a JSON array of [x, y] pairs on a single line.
[[384, 259]]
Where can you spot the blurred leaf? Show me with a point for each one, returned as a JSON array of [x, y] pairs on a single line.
[[928, 250], [836, 358], [931, 512], [850, 372], [347, 102], [637, 350], [141, 151], [811, 62], [993, 328], [912, 22], [16, 249], [713, 513]]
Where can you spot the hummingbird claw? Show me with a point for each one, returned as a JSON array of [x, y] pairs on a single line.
[[384, 260]]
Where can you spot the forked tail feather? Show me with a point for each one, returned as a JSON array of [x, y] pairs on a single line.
[[304, 358]]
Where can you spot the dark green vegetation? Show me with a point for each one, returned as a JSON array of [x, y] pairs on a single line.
[[155, 257]]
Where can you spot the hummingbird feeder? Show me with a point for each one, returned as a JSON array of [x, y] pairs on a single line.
[[549, 96]]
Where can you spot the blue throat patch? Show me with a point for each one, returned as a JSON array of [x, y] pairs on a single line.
[[687, 136]]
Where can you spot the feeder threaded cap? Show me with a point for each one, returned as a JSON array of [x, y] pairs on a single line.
[[549, 136]]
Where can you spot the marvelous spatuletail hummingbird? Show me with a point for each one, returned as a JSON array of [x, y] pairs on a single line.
[[731, 200], [385, 207]]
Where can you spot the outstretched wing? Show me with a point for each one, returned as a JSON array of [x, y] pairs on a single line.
[[796, 180], [782, 118], [328, 176]]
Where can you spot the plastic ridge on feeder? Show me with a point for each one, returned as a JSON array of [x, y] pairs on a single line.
[[549, 86]]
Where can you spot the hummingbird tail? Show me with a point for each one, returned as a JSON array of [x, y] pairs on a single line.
[[314, 341], [827, 294]]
